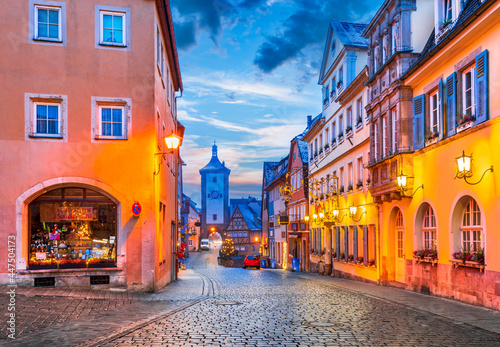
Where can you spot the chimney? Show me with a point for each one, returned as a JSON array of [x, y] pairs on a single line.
[[309, 120]]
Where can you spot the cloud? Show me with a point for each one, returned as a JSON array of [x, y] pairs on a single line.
[[308, 26]]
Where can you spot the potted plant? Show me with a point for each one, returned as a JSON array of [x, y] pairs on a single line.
[[359, 183], [341, 135], [431, 137], [350, 257], [444, 23], [332, 94], [371, 262], [359, 260], [342, 256], [326, 146], [368, 181], [315, 154], [341, 189], [349, 187], [325, 102], [426, 256], [469, 259], [334, 255], [339, 85], [466, 121], [359, 121], [334, 142], [348, 129], [320, 151]]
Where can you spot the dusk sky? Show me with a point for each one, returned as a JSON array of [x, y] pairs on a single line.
[[250, 73]]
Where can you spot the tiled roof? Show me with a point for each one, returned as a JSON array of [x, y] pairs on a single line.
[[304, 152], [250, 210], [351, 34], [268, 172]]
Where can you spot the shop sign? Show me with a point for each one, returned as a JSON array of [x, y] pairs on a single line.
[[41, 255], [75, 213]]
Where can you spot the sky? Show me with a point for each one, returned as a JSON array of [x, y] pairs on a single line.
[[250, 75]]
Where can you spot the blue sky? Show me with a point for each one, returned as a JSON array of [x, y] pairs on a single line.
[[250, 70]]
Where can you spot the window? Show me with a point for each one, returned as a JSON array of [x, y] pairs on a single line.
[[385, 134], [334, 134], [111, 121], [468, 104], [46, 116], [394, 31], [315, 147], [341, 177], [429, 229], [310, 151], [376, 144], [160, 61], [359, 112], [48, 23], [341, 76], [341, 125], [400, 234], [448, 10], [112, 27], [214, 179], [327, 136], [394, 119], [434, 116], [334, 88], [360, 172], [349, 118], [190, 242], [472, 238], [349, 176], [214, 217], [111, 118], [321, 142]]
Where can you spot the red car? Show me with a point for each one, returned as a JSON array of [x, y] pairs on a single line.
[[251, 261]]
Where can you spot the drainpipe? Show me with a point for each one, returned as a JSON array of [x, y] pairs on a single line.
[[378, 241]]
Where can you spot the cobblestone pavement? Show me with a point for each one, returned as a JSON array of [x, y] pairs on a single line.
[[263, 308], [214, 306]]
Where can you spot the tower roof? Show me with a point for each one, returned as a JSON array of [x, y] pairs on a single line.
[[214, 164]]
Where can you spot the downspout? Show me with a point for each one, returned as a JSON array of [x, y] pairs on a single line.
[[379, 243]]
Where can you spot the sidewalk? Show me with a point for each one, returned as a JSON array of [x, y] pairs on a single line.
[[455, 311], [43, 312]]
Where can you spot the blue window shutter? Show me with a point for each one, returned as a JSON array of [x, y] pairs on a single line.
[[441, 109], [418, 121], [451, 104], [365, 244], [346, 242], [337, 230], [355, 243], [481, 87]]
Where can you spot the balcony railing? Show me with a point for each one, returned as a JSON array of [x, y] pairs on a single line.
[[388, 154]]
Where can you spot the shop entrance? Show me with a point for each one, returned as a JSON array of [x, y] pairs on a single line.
[[72, 228]]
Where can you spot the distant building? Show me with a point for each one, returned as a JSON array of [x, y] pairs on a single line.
[[245, 225], [190, 223], [214, 196]]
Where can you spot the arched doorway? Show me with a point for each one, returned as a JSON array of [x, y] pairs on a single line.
[[397, 226], [214, 237]]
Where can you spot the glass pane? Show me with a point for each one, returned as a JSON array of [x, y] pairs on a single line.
[[106, 115], [117, 115], [107, 21], [106, 129], [42, 16], [118, 36], [117, 129], [468, 76], [92, 194], [52, 127], [53, 31], [41, 126], [42, 30], [41, 111], [53, 110], [53, 17], [54, 194], [117, 22], [107, 35], [468, 99]]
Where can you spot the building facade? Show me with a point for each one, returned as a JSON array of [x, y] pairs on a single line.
[[245, 226], [190, 224], [214, 196], [93, 197]]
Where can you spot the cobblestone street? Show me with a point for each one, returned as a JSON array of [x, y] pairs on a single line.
[[234, 307]]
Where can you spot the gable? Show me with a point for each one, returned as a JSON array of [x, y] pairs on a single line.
[[329, 55]]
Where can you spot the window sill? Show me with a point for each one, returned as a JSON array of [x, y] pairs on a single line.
[[348, 134], [45, 136], [101, 137], [464, 126], [425, 260], [470, 264], [359, 126], [340, 140], [431, 142], [118, 45], [47, 40]]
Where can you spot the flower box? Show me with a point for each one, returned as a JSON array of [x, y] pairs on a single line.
[[425, 260], [464, 126], [467, 263], [431, 142]]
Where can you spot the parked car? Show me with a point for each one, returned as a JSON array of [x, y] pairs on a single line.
[[251, 261]]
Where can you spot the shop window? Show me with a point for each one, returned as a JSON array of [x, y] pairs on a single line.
[[69, 230]]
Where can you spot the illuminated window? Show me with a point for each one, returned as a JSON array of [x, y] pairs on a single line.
[[472, 231], [429, 229]]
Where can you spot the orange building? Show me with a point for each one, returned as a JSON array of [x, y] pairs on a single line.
[[87, 198]]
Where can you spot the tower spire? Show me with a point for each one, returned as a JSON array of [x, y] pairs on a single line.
[[214, 150]]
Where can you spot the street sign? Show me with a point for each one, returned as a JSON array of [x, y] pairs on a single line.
[[136, 209]]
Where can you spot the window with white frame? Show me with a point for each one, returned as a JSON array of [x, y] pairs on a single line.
[[159, 51], [341, 125], [111, 118], [311, 151], [448, 10], [315, 147], [341, 177], [394, 36], [341, 75], [327, 136], [359, 112], [376, 144], [429, 229], [394, 120], [47, 119], [434, 116], [349, 176], [385, 133], [112, 28], [334, 133], [334, 87], [468, 91], [360, 172], [48, 23], [321, 142], [349, 119], [472, 231], [46, 116]]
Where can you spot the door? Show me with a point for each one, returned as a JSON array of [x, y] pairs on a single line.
[[298, 253], [400, 248], [304, 255]]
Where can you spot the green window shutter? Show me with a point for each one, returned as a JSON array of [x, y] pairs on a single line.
[[418, 121], [451, 104], [481, 87], [441, 109]]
